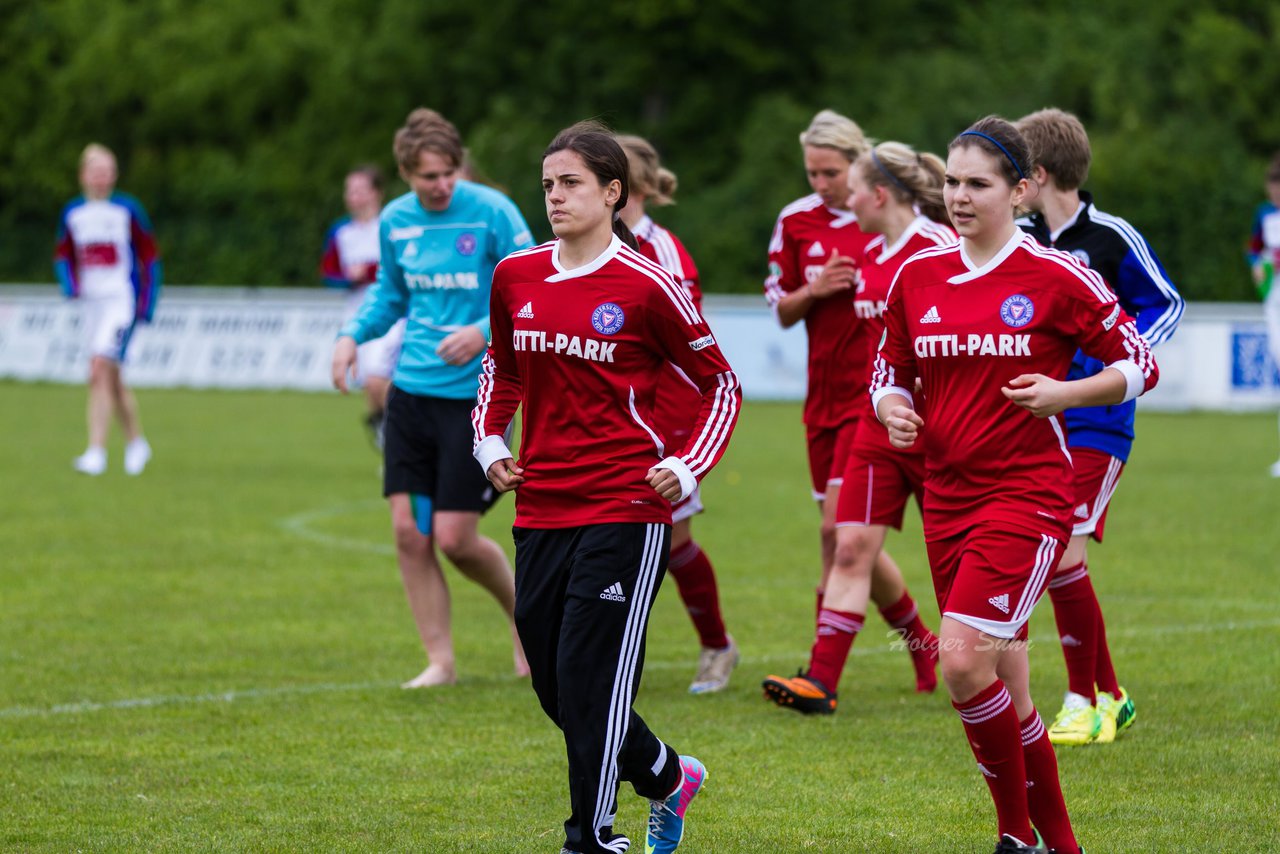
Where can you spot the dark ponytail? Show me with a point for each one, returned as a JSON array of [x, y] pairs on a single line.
[[602, 154]]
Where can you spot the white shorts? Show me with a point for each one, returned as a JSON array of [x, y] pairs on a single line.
[[1271, 309], [688, 508], [106, 324], [377, 358]]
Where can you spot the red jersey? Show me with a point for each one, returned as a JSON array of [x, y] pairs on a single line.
[[677, 401], [966, 331], [580, 352], [806, 234], [876, 269]]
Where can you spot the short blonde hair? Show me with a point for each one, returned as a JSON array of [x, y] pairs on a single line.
[[95, 149], [427, 130], [829, 129], [1059, 143]]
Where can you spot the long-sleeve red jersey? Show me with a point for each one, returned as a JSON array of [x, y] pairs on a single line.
[[580, 352], [877, 269], [966, 331], [677, 401], [804, 238]]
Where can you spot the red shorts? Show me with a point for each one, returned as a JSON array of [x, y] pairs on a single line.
[[876, 487], [1097, 476], [990, 577], [828, 450]]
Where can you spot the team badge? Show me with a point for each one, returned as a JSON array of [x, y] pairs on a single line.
[[607, 319], [1081, 256], [1017, 311], [466, 243]]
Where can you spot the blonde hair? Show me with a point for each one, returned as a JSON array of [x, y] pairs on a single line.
[[829, 129], [910, 177], [95, 149], [649, 178], [427, 130]]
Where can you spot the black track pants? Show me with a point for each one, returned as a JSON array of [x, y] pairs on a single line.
[[582, 607]]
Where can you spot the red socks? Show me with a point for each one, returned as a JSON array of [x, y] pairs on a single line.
[[836, 631], [696, 581], [904, 616], [1044, 793], [995, 737], [1076, 611], [1104, 674]]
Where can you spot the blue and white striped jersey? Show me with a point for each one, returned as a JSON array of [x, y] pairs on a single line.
[[1122, 256]]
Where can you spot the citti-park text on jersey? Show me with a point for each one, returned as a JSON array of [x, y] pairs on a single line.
[[538, 341], [931, 346]]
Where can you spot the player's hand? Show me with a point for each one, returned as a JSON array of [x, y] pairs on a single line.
[[903, 424], [838, 274], [665, 482], [462, 346], [344, 361], [1038, 394], [505, 475]]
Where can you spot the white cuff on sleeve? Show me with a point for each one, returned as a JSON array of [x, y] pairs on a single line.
[[688, 483], [1134, 380], [490, 450], [880, 394]]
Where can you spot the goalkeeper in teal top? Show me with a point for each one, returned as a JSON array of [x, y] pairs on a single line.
[[439, 245]]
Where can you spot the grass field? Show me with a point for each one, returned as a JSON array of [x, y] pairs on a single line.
[[206, 658]]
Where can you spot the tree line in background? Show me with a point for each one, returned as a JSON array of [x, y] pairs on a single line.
[[235, 121]]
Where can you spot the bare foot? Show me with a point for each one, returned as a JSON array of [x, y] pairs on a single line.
[[434, 675]]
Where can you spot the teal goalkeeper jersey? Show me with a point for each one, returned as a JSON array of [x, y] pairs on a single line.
[[435, 270]]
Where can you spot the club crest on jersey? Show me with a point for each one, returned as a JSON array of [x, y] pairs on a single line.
[[607, 319], [1017, 311], [1081, 256], [465, 244]]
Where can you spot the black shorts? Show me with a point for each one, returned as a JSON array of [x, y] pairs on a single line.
[[428, 452]]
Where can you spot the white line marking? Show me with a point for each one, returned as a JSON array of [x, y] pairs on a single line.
[[300, 526], [683, 664]]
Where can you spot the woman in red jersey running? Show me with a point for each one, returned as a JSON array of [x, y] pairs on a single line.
[[582, 329], [677, 404], [897, 195], [813, 278], [986, 326]]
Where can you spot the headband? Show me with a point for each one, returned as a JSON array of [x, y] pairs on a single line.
[[890, 175], [997, 145]]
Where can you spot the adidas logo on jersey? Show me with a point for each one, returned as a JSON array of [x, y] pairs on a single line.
[[1001, 602], [1082, 512], [816, 251], [527, 311], [931, 316], [614, 593]]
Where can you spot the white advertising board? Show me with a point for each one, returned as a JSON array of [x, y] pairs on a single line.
[[283, 338]]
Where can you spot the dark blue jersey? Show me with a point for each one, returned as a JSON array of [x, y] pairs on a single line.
[[1122, 256]]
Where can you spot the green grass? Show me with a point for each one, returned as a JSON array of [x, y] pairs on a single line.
[[206, 658]]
